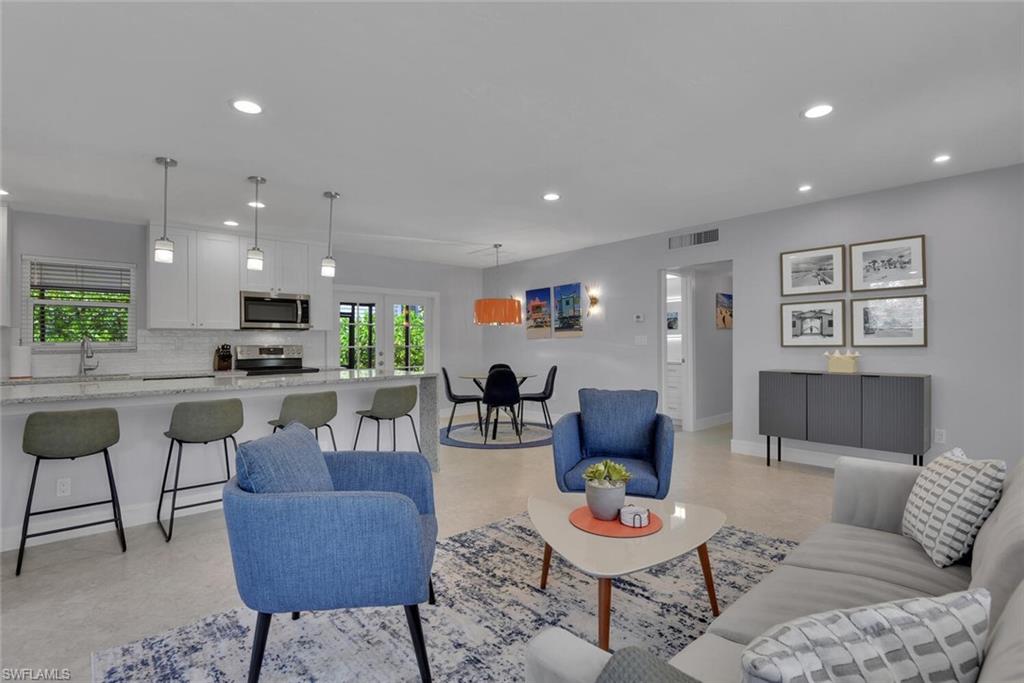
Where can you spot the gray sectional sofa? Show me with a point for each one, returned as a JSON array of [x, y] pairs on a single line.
[[858, 558]]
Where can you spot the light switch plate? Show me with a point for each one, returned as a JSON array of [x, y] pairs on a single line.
[[640, 340], [940, 436], [638, 317]]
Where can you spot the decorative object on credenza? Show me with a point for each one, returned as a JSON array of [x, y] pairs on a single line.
[[635, 516], [584, 520], [538, 313], [842, 363], [890, 321], [813, 323], [606, 488], [568, 318], [723, 311], [887, 264], [813, 271]]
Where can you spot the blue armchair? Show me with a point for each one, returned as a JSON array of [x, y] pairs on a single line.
[[319, 531], [623, 426]]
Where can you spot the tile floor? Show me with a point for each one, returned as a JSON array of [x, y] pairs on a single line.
[[80, 595]]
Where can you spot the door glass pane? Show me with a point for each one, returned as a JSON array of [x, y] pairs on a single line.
[[409, 335], [357, 337]]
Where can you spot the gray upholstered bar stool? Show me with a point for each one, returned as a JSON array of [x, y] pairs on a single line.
[[66, 435], [312, 410], [390, 403], [198, 422]]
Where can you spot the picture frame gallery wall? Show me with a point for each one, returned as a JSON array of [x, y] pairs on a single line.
[[877, 266], [554, 311]]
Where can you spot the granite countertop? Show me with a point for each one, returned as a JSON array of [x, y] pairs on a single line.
[[119, 387], [112, 377]]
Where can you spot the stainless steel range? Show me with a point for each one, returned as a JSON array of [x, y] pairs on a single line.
[[270, 360]]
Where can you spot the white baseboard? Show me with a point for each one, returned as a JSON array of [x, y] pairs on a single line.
[[133, 515], [805, 456], [712, 421]]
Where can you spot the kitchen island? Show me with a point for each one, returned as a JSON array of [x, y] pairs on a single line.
[[144, 407]]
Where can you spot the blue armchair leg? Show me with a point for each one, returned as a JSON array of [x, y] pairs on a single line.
[[412, 615], [259, 642], [295, 616], [432, 600]]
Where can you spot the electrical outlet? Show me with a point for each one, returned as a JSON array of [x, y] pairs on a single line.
[[940, 436], [63, 487], [640, 340]]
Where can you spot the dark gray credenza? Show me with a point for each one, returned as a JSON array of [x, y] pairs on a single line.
[[884, 412]]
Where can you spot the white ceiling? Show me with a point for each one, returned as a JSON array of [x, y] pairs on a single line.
[[442, 124]]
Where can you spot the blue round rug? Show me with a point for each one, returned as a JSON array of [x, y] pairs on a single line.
[[467, 435]]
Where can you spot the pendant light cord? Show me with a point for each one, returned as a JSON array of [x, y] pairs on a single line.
[[166, 167], [330, 226], [256, 218]]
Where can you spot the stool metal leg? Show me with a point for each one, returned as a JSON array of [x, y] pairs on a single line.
[[334, 444], [163, 485], [394, 435], [28, 512], [169, 531], [356, 442], [414, 434], [227, 464], [316, 435], [378, 433], [115, 502]]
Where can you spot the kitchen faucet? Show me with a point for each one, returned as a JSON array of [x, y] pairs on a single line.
[[85, 351]]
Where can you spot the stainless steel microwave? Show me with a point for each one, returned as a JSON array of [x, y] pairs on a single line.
[[269, 311]]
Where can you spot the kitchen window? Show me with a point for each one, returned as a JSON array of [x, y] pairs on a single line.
[[65, 300]]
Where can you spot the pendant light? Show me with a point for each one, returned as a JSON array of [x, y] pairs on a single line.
[[327, 264], [497, 311], [254, 257], [163, 248]]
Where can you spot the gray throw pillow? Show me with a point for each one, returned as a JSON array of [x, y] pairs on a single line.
[[289, 461], [951, 499], [919, 640], [637, 665]]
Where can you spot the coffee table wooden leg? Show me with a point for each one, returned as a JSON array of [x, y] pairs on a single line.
[[604, 612], [709, 581], [546, 566]]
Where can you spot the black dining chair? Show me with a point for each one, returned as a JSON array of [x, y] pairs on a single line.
[[460, 399], [541, 397], [499, 366], [501, 391]]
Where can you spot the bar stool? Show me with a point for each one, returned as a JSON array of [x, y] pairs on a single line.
[[390, 403], [198, 422], [66, 435], [311, 410]]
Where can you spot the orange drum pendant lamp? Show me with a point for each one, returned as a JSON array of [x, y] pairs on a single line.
[[497, 311]]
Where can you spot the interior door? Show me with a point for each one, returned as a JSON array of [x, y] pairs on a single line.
[[361, 330], [407, 337]]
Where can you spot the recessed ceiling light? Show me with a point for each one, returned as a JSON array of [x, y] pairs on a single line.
[[231, 224], [257, 205], [817, 111], [247, 106], [552, 197], [4, 193], [941, 159], [804, 188]]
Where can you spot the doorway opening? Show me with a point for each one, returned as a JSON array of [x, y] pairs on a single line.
[[696, 345], [386, 329]]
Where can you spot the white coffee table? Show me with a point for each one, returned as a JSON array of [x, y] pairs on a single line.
[[686, 526]]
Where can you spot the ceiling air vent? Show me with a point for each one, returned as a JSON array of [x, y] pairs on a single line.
[[692, 239]]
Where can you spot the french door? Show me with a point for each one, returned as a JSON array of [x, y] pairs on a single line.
[[384, 331]]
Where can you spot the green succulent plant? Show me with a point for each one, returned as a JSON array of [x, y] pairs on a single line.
[[607, 471]]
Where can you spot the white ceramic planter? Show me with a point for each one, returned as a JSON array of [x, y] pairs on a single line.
[[605, 501]]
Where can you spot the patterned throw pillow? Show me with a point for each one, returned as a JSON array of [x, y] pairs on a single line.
[[923, 640], [951, 499]]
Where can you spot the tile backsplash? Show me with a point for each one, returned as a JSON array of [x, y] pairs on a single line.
[[180, 350]]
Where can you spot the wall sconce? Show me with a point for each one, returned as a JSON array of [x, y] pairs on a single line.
[[594, 296]]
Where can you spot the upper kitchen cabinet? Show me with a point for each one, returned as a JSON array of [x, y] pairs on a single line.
[[200, 289], [285, 268], [217, 286], [171, 287]]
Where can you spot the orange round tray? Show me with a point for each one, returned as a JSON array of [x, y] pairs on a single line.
[[583, 520]]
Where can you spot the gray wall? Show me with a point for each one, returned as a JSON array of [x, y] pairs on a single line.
[[712, 347], [973, 225]]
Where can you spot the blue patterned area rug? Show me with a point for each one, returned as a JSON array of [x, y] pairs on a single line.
[[489, 606], [468, 436]]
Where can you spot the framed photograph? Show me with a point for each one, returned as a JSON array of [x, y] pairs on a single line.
[[813, 323], [672, 320], [813, 271], [890, 321], [568, 321], [723, 311], [538, 313], [887, 264]]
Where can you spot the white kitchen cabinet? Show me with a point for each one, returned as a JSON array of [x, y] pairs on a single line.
[[285, 268], [171, 287], [217, 283]]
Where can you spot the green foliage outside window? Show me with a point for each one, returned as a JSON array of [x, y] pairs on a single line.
[[409, 333], [65, 322], [356, 336]]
